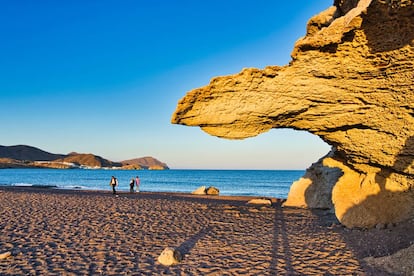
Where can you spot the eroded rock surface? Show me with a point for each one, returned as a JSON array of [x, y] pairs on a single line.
[[351, 82]]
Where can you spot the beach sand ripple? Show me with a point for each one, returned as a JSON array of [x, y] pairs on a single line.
[[54, 232]]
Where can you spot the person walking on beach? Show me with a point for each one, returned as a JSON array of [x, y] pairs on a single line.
[[137, 182], [131, 185], [113, 183]]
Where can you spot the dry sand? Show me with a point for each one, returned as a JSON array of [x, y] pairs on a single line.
[[61, 232]]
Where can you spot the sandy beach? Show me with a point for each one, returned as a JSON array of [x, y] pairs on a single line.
[[71, 232]]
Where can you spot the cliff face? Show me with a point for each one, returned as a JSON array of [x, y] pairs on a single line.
[[351, 82]]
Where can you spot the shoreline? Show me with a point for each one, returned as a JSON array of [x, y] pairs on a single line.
[[268, 183], [235, 199], [125, 191], [55, 231]]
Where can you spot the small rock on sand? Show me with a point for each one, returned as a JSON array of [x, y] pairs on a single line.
[[260, 201], [170, 256], [5, 255]]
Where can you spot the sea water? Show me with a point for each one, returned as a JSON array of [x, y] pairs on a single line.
[[266, 183]]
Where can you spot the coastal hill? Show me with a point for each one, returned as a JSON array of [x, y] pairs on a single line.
[[146, 163], [87, 159], [22, 156], [22, 152]]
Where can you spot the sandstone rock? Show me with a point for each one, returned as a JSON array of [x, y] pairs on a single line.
[[260, 201], [350, 82], [170, 256], [314, 189], [5, 255], [199, 191], [212, 191]]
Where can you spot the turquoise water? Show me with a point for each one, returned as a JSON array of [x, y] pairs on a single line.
[[270, 183]]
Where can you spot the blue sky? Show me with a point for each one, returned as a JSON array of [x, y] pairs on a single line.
[[105, 76]]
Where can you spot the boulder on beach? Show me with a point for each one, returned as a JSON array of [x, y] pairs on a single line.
[[212, 191], [206, 191], [200, 191], [170, 256]]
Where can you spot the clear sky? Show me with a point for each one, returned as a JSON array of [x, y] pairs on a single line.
[[105, 76]]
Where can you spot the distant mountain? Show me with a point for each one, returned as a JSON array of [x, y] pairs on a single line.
[[146, 163], [28, 157], [22, 152], [89, 160]]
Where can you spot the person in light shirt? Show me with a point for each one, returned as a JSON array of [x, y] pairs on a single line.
[[137, 182]]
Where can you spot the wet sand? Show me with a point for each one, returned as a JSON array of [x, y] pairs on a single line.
[[70, 232]]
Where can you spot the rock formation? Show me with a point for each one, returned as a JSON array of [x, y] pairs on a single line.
[[351, 82]]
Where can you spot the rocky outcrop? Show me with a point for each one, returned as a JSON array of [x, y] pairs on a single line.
[[351, 82]]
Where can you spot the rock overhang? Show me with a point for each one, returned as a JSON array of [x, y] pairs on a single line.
[[350, 81]]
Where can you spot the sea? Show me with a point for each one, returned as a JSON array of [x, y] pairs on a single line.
[[263, 183]]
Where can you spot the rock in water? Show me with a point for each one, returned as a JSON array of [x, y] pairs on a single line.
[[170, 256], [351, 82]]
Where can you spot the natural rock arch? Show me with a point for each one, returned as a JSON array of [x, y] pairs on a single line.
[[351, 82]]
